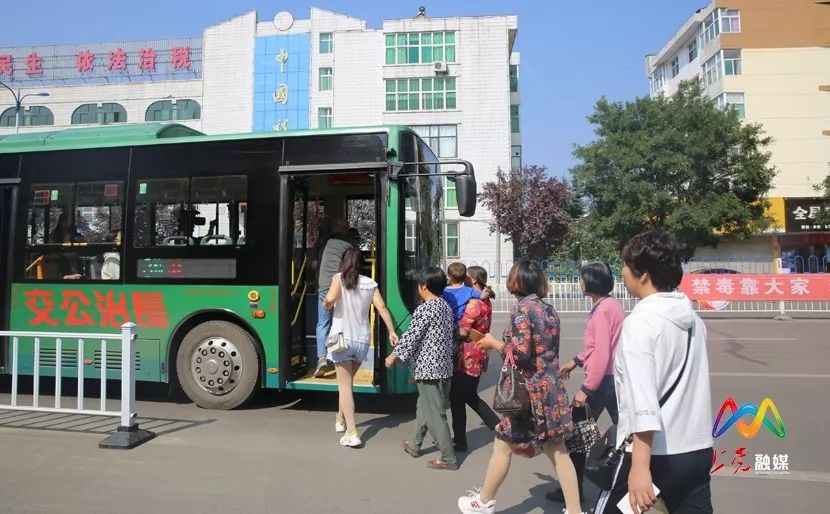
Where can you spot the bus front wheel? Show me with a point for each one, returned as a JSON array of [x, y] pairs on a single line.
[[218, 365]]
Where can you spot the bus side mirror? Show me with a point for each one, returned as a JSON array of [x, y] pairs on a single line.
[[465, 190]]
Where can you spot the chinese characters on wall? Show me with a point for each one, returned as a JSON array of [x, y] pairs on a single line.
[[281, 82], [755, 287], [802, 214], [103, 62]]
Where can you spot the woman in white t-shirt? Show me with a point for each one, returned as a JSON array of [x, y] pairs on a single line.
[[350, 295], [661, 359]]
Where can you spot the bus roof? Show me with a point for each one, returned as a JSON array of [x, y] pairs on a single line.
[[141, 134]]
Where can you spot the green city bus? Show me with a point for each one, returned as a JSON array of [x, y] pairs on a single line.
[[207, 243]]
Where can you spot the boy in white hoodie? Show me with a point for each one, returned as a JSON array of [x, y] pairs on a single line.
[[661, 358]]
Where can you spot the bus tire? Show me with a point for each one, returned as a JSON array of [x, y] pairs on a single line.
[[218, 365]]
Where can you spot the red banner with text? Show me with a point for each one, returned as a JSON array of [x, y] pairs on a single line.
[[714, 287]]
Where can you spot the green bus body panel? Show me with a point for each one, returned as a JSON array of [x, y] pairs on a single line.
[[316, 386], [143, 134], [157, 310]]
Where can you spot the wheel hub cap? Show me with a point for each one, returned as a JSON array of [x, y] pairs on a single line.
[[216, 365]]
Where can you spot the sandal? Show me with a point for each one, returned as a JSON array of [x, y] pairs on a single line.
[[414, 453]]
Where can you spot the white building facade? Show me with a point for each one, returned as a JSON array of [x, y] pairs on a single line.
[[771, 62], [455, 80]]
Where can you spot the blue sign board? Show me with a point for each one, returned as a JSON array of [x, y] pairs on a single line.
[[281, 82]]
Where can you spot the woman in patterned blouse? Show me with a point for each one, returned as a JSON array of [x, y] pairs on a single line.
[[427, 346], [533, 336], [471, 362]]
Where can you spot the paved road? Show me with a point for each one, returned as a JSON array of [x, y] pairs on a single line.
[[281, 454]]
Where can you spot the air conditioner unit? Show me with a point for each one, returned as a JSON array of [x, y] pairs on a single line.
[[441, 68]]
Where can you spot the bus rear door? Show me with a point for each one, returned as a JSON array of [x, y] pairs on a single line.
[[294, 264], [8, 210]]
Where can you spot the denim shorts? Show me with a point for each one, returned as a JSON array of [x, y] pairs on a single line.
[[355, 351]]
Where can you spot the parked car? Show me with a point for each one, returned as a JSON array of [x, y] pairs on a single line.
[[715, 271]]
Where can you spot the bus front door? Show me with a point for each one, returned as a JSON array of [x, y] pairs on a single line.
[[294, 265], [8, 210]]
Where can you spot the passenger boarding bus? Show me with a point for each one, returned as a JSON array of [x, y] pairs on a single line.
[[208, 244]]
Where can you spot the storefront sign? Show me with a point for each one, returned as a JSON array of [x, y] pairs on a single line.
[[124, 61], [801, 214], [714, 287]]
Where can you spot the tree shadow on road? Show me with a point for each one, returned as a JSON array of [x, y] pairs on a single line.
[[735, 349]]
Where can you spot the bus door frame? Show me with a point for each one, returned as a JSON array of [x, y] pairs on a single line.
[[286, 243], [9, 195]]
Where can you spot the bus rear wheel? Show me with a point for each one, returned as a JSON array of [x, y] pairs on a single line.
[[218, 365]]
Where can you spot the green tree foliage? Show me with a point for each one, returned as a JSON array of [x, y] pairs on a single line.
[[680, 164], [824, 189]]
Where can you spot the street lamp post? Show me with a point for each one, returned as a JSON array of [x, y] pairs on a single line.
[[18, 103]]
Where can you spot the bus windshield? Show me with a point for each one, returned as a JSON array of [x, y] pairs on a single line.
[[421, 201]]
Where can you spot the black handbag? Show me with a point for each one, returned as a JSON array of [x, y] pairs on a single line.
[[512, 398], [603, 459], [585, 434]]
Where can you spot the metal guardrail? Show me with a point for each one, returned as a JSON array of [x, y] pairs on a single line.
[[128, 435]]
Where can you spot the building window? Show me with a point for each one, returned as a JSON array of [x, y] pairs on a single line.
[[420, 47], [730, 20], [732, 62], [427, 94], [693, 50], [516, 157], [450, 197], [658, 79], [105, 114], [712, 71], [325, 79], [324, 117], [675, 66], [736, 100], [514, 119], [442, 139], [451, 240], [720, 20], [326, 43], [166, 110], [514, 78], [34, 116], [409, 236]]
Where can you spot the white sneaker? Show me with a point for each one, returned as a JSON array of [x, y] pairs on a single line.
[[350, 440], [472, 504], [340, 425]]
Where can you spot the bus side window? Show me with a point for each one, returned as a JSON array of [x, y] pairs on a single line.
[[220, 205], [69, 227], [161, 214]]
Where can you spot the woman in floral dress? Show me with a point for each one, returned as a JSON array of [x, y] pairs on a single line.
[[533, 338]]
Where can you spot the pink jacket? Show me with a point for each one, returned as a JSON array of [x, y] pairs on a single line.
[[601, 337]]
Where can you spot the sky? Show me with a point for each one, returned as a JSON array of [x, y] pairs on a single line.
[[572, 52]]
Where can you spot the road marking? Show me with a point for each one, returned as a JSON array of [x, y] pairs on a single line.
[[736, 338], [739, 338], [798, 476], [769, 375]]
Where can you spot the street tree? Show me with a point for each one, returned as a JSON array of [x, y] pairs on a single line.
[[679, 164], [823, 188], [531, 208]]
